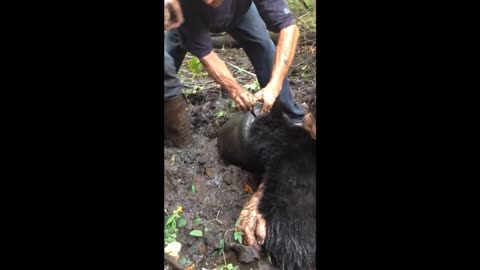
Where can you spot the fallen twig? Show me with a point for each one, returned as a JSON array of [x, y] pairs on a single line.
[[242, 70], [302, 16], [218, 219]]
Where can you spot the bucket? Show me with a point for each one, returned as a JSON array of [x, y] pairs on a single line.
[[232, 141]]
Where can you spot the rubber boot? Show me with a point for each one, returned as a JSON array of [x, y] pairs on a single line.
[[177, 121]]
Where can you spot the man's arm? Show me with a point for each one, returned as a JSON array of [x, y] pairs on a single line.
[[287, 43], [279, 19], [217, 69], [172, 13]]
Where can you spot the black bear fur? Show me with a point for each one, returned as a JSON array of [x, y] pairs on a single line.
[[288, 204]]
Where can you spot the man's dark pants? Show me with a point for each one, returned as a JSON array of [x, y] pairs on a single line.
[[252, 35], [171, 83]]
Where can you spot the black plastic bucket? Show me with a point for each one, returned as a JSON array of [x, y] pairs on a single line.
[[232, 141]]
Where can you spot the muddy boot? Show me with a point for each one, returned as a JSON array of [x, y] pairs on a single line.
[[177, 121]]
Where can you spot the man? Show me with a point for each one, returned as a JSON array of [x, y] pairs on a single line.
[[177, 122], [248, 26]]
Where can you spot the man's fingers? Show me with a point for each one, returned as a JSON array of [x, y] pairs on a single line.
[[249, 105], [239, 102], [253, 100], [166, 14], [246, 104], [266, 107], [259, 96], [247, 99], [175, 24], [177, 11], [242, 106]]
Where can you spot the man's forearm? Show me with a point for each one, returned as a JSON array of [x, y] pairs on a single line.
[[287, 43], [217, 69]]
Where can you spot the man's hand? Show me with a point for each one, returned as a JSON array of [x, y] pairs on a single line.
[[217, 69], [173, 16], [267, 95], [252, 223], [244, 99], [285, 51]]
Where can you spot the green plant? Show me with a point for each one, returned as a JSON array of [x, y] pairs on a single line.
[[269, 258], [221, 249], [194, 65], [237, 235], [181, 222], [183, 261], [193, 90], [228, 267], [197, 221], [253, 87], [221, 114], [170, 227], [196, 233]]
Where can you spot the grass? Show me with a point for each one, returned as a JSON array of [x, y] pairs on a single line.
[[171, 226]]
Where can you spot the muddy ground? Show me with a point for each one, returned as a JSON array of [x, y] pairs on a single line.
[[219, 188]]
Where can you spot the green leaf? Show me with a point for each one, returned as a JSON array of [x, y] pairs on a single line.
[[196, 233], [220, 114], [183, 261], [170, 220], [238, 236], [193, 188], [206, 229], [195, 66], [181, 222], [237, 222], [222, 243], [252, 87], [189, 91], [230, 266], [197, 221]]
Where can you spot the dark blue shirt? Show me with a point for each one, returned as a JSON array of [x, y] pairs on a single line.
[[201, 20]]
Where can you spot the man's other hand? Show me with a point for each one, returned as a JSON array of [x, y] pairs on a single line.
[[173, 16], [268, 96]]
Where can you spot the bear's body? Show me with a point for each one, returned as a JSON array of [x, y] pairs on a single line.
[[288, 203]]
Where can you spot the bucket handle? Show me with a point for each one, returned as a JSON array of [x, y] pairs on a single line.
[[256, 109]]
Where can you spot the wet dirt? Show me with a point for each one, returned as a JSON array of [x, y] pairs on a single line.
[[219, 188]]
